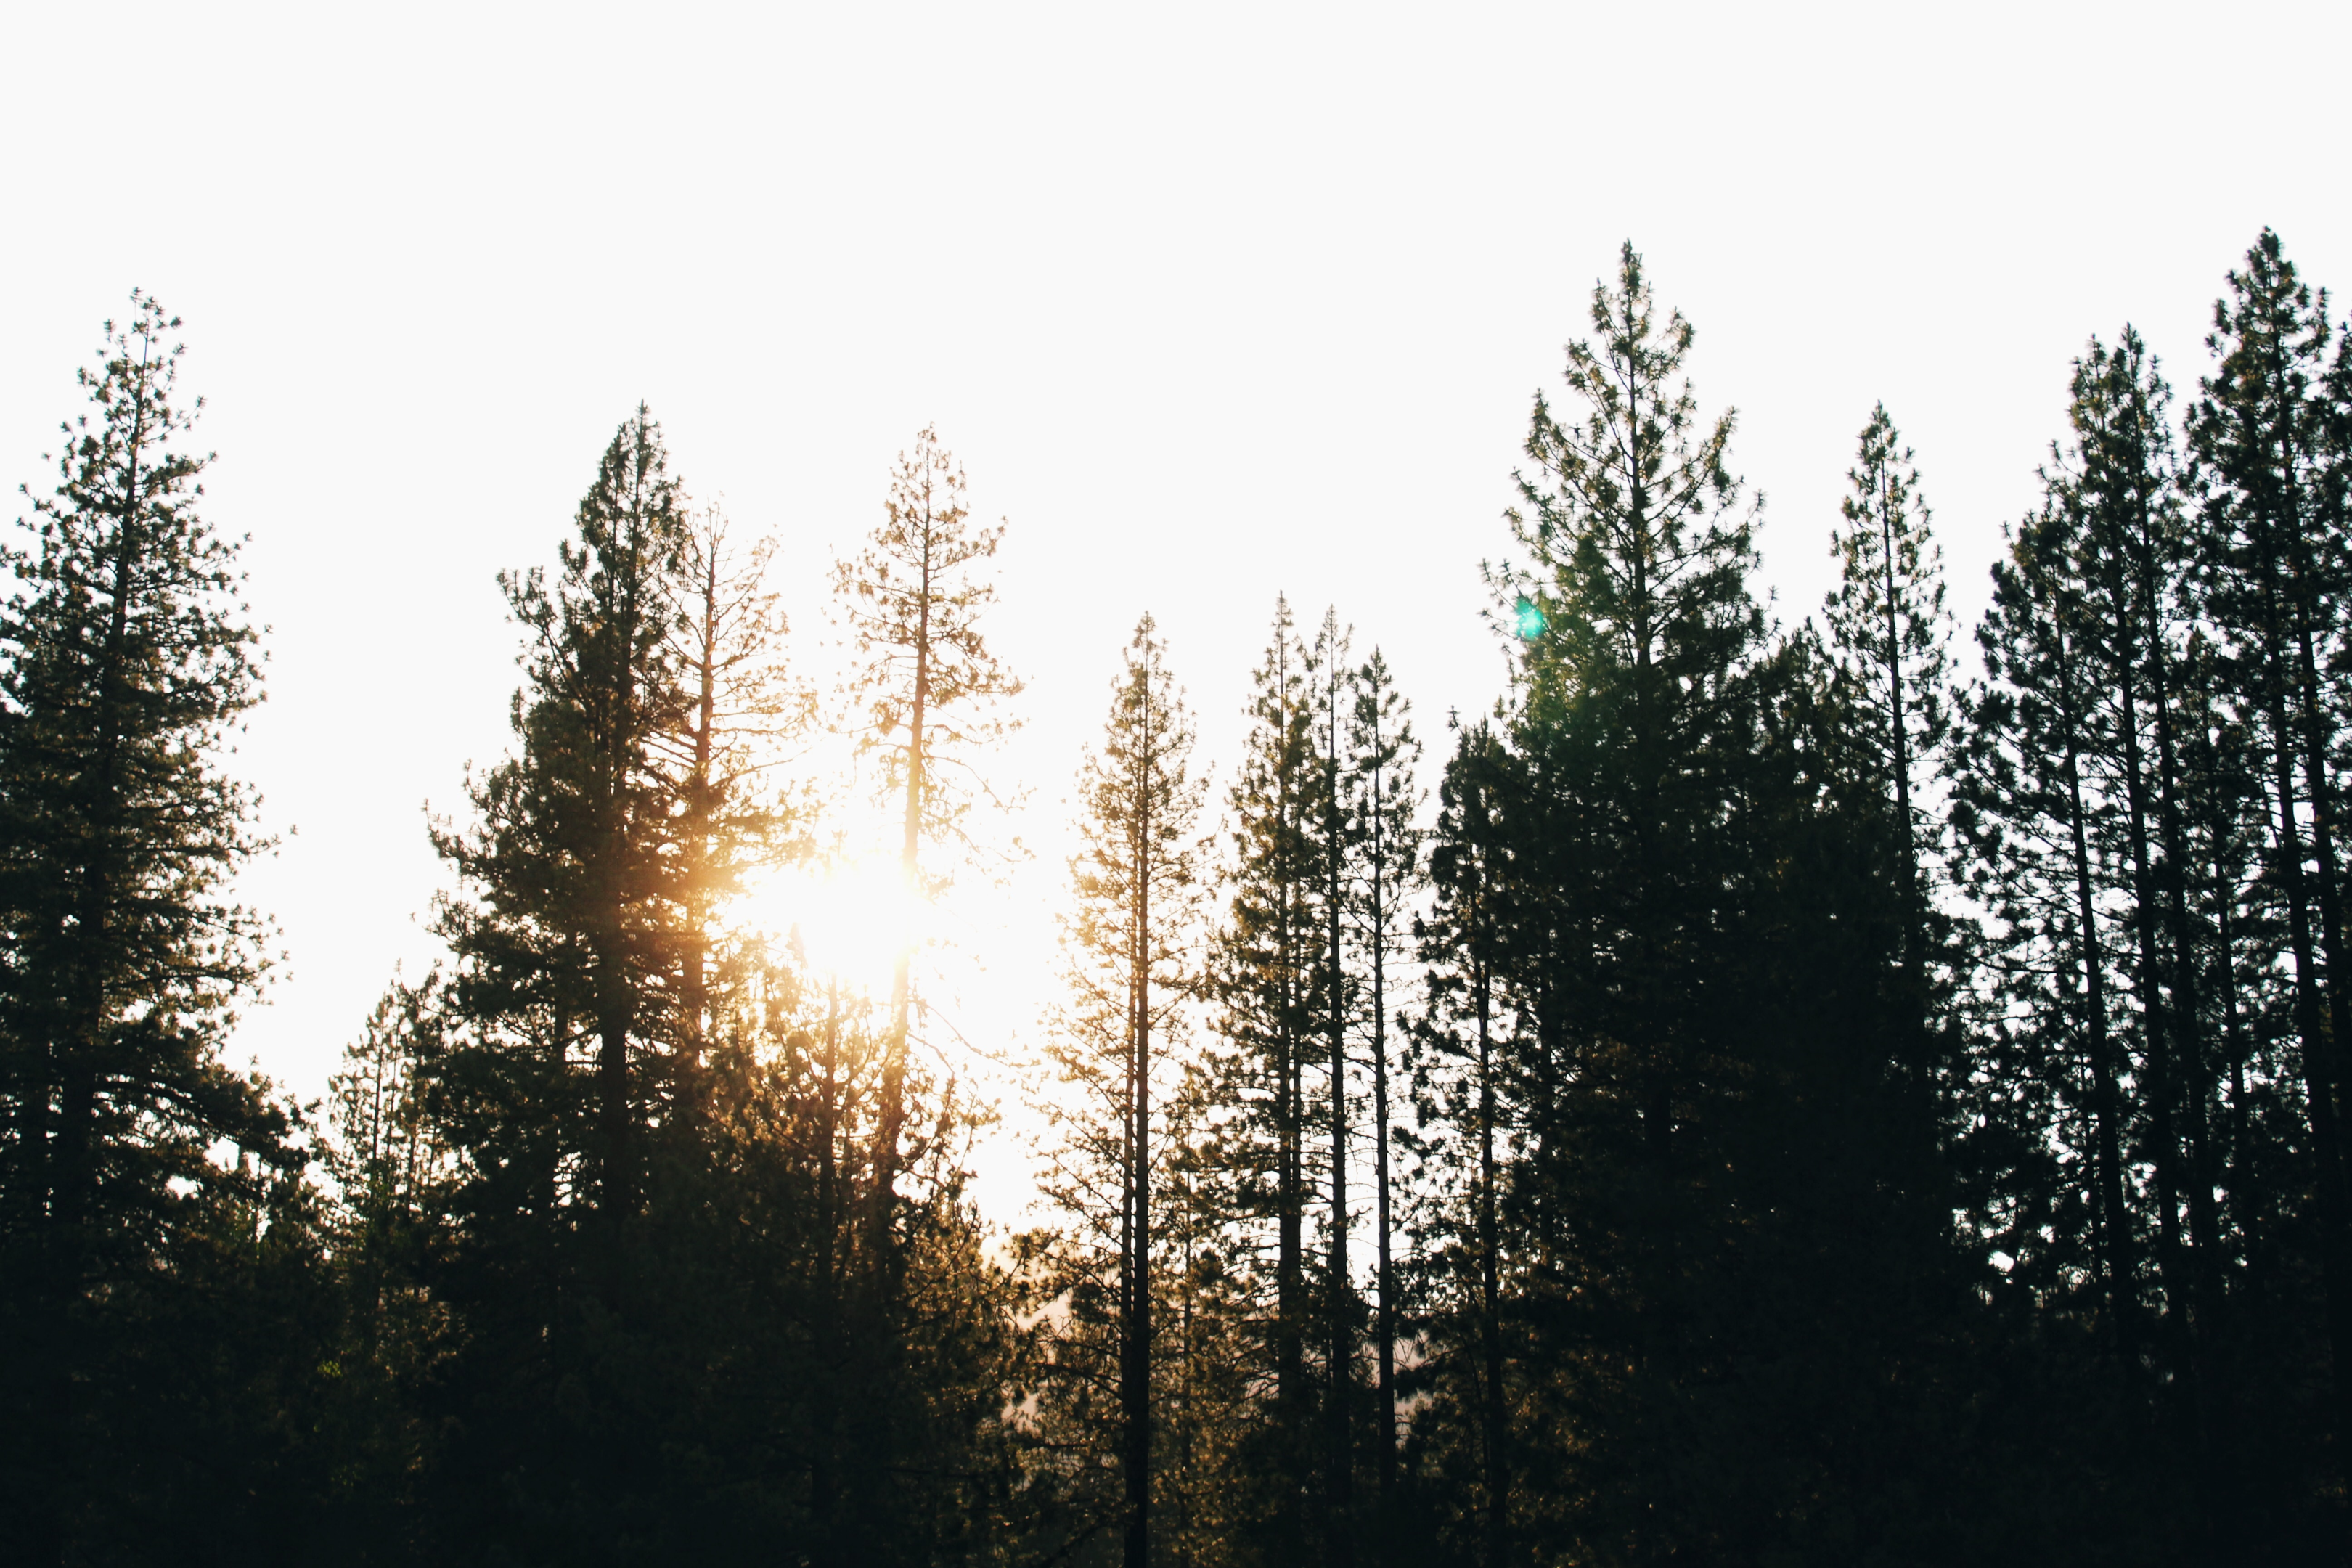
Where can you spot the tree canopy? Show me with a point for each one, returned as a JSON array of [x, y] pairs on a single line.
[[1760, 1094]]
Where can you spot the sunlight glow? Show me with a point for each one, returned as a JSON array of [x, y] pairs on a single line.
[[854, 918], [1528, 620]]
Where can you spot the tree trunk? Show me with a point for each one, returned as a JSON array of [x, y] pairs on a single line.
[[2320, 1019], [1135, 1373], [2115, 1218], [824, 1483], [1338, 1466], [1497, 1429], [890, 1119], [1386, 1329], [2162, 1075], [1906, 866]]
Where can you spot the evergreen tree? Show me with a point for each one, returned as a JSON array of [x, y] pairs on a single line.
[[1711, 1081], [568, 933], [126, 665], [2025, 806], [570, 917], [929, 690], [744, 705], [687, 1361], [1458, 1088], [1131, 944], [2131, 568], [2268, 470], [2119, 1088], [1386, 871], [1269, 965], [1639, 712], [396, 1176], [1331, 713], [1891, 634]]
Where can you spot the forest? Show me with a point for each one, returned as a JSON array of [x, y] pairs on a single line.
[[1761, 1093]]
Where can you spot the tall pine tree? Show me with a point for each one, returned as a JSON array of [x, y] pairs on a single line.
[[1385, 872], [126, 666], [1130, 940], [927, 690], [1269, 966], [1892, 634]]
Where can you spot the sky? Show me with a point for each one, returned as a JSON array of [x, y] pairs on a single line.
[[1213, 302]]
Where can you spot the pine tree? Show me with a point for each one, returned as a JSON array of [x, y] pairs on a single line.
[[1131, 943], [1382, 806], [1703, 1051], [570, 917], [2131, 567], [2118, 794], [395, 1177], [1331, 714], [128, 667], [1268, 964], [744, 707], [1458, 1086], [929, 690], [2272, 502], [1892, 634], [2026, 805], [561, 1081]]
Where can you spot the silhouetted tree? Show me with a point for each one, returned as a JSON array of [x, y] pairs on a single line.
[[126, 666], [927, 690], [1130, 943]]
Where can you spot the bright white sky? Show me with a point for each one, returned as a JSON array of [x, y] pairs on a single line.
[[1212, 302]]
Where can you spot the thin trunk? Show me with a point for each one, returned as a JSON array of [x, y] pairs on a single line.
[[1899, 732], [1496, 1433], [1339, 1457], [1188, 1412], [2304, 602], [2312, 1026], [1136, 1374], [2187, 1015], [613, 1086], [1290, 1352], [698, 833], [614, 1002], [2115, 1223], [2314, 1013], [824, 1483], [890, 1117], [2165, 1143], [2187, 1008], [1386, 1332], [2233, 1039]]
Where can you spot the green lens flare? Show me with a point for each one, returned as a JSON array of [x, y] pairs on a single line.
[[1531, 621]]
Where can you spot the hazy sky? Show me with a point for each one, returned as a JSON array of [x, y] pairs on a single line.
[[1212, 301]]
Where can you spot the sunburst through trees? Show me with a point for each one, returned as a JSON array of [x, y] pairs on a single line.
[[1765, 1097]]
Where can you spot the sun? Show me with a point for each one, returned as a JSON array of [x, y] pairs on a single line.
[[854, 919]]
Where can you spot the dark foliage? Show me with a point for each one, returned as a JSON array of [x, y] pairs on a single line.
[[1783, 1105]]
